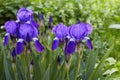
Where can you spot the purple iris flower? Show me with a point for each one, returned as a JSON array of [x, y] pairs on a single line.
[[27, 33], [60, 32], [77, 33], [24, 15], [11, 29], [24, 30]]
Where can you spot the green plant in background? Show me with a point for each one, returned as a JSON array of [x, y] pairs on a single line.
[[9, 8], [95, 64]]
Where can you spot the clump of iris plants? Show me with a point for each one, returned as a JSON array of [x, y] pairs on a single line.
[[23, 31], [72, 37]]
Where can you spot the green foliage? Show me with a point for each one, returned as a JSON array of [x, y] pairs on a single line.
[[8, 9], [2, 76]]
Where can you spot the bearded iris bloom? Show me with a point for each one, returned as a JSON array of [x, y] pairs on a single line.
[[12, 31], [25, 30], [77, 33], [28, 33], [60, 32]]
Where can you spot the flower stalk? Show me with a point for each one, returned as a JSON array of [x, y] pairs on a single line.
[[79, 57]]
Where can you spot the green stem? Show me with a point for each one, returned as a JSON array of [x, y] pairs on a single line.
[[67, 70], [79, 57], [27, 64]]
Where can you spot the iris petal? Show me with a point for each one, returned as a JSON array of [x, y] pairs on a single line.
[[89, 43], [55, 44], [39, 47], [70, 48], [20, 46], [6, 39]]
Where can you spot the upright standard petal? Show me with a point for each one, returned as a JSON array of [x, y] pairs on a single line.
[[55, 43], [77, 31], [89, 28], [60, 31], [88, 42], [20, 46], [39, 47], [24, 15], [6, 39], [70, 48]]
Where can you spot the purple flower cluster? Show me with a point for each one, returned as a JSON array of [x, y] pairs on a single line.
[[74, 35], [24, 29]]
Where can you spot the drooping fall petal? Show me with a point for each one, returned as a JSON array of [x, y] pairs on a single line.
[[39, 47], [55, 43], [70, 47], [89, 43], [20, 46], [6, 39]]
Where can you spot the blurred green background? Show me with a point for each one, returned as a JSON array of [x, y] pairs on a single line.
[[99, 13]]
